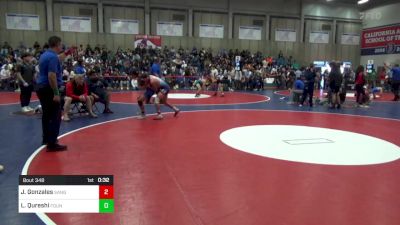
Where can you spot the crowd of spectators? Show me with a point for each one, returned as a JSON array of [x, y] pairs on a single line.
[[180, 67]]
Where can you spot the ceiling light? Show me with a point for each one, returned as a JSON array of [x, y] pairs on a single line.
[[362, 1]]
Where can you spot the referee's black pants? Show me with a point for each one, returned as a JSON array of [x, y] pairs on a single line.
[[308, 91], [395, 89], [51, 118]]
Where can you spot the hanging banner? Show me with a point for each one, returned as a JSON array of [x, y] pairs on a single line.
[[76, 24], [285, 35], [211, 31], [119, 26], [320, 37], [350, 39], [22, 22], [381, 40], [170, 28], [144, 41], [250, 33]]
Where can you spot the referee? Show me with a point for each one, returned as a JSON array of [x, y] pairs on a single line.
[[49, 81]]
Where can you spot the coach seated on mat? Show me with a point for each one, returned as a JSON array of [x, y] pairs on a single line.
[[77, 91], [98, 89], [298, 89]]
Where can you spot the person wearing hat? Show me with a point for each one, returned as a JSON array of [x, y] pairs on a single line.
[[25, 76]]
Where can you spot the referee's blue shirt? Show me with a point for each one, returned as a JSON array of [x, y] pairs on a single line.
[[396, 73], [155, 69], [49, 62]]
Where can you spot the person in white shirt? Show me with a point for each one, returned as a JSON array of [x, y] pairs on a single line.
[[215, 81], [214, 72], [5, 72], [298, 73], [5, 75], [231, 76], [238, 78]]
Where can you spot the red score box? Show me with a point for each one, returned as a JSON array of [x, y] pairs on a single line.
[[106, 192]]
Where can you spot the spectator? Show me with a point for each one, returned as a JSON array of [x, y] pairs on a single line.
[[79, 68], [81, 51], [290, 61], [173, 61], [335, 83], [5, 76], [372, 78], [67, 74], [290, 80], [25, 75], [382, 77], [359, 85], [347, 77], [5, 49], [238, 78], [324, 77], [77, 91], [36, 46], [298, 73], [309, 86], [98, 89], [297, 90], [395, 81]]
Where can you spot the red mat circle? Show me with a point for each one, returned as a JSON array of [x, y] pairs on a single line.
[[230, 98]]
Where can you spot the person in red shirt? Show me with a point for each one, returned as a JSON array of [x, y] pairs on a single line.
[[77, 91], [359, 84], [269, 60]]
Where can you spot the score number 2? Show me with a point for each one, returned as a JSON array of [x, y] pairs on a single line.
[[106, 192]]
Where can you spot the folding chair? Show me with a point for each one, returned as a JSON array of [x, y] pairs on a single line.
[[79, 108], [95, 108]]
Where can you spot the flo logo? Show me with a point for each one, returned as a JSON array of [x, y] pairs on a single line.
[[370, 15]]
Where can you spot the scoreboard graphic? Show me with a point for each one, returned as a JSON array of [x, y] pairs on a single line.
[[66, 194]]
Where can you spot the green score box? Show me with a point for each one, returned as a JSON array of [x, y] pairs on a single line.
[[106, 205]]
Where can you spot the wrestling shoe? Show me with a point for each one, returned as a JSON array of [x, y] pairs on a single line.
[[159, 117]]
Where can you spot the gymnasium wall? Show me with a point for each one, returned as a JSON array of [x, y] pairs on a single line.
[[162, 15], [283, 14]]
